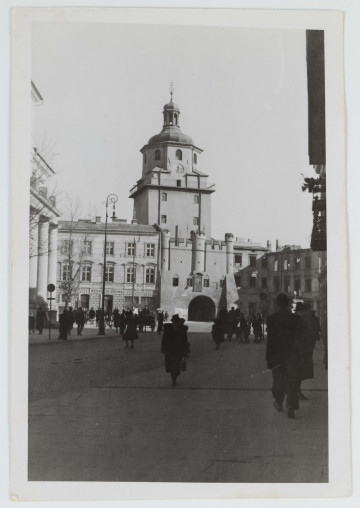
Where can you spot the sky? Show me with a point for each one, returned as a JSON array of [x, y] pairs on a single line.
[[242, 94]]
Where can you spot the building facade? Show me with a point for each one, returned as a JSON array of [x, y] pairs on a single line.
[[290, 270], [43, 225], [132, 260]]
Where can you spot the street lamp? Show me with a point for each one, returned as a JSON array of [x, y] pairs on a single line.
[[112, 198]]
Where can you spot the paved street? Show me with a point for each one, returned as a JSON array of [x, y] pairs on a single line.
[[99, 412]]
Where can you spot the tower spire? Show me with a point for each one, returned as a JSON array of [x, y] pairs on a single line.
[[172, 89]]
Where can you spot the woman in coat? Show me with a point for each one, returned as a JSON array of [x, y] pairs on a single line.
[[131, 331], [174, 346]]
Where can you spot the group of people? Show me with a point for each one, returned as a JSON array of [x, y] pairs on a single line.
[[67, 320], [37, 322], [291, 338], [232, 323]]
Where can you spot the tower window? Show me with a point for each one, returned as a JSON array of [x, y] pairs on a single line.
[[163, 219], [195, 158], [157, 155], [175, 281], [178, 155], [164, 196], [206, 283], [196, 198], [196, 221], [175, 118], [189, 282], [178, 183]]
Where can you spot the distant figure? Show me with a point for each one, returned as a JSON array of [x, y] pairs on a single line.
[[257, 327], [70, 319], [131, 331], [63, 325], [116, 318], [231, 322], [31, 323], [281, 355], [92, 314], [166, 315], [174, 346], [160, 322], [97, 316], [217, 332], [222, 316], [80, 320], [40, 320], [122, 322], [242, 330]]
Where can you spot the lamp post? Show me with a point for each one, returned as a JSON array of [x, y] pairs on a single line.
[[112, 198]]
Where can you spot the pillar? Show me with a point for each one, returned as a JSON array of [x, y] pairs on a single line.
[[42, 267], [165, 245], [198, 251], [33, 259], [229, 240], [52, 255]]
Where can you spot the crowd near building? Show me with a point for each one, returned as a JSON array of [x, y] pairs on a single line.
[[166, 257]]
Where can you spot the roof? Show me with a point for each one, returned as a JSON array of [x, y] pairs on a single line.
[[112, 227], [173, 134]]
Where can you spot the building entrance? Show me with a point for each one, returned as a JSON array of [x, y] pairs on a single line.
[[108, 303], [201, 308]]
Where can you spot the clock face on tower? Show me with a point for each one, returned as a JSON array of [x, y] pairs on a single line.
[[180, 169]]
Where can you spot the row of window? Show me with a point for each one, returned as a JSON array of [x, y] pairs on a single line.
[[238, 260], [130, 274], [189, 282], [196, 221], [67, 248], [178, 155], [164, 196], [276, 280]]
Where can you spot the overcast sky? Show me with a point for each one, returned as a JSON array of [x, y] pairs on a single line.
[[242, 95]]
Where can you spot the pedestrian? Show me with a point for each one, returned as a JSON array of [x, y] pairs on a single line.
[[97, 316], [281, 356], [40, 320], [31, 323], [160, 322], [70, 316], [217, 332], [257, 327], [63, 325], [231, 323], [242, 330], [305, 342], [174, 347], [116, 317], [122, 322], [92, 315], [80, 320], [131, 331]]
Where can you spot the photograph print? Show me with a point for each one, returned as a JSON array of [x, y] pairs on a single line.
[[177, 303]]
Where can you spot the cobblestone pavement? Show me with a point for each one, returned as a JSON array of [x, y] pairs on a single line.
[[98, 412]]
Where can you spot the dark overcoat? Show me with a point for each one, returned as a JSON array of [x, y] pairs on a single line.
[[280, 337]]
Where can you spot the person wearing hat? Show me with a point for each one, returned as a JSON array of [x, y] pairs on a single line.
[[160, 322], [174, 347], [280, 358]]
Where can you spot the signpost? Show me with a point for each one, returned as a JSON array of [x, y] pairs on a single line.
[[51, 289]]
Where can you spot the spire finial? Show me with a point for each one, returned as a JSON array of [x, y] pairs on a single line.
[[172, 89]]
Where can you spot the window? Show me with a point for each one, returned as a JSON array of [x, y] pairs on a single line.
[[157, 155], [238, 259], [238, 281], [163, 219], [150, 250], [206, 283], [86, 273], [286, 284], [196, 221], [308, 262], [252, 261], [221, 283], [130, 249], [189, 282], [178, 183], [252, 282], [130, 274], [276, 284], [264, 262], [175, 118], [109, 273], [150, 275], [297, 263], [175, 281], [195, 158], [164, 196], [286, 264], [307, 285], [297, 285], [178, 155], [276, 267], [264, 282], [110, 248], [86, 248], [65, 272], [196, 198], [66, 247]]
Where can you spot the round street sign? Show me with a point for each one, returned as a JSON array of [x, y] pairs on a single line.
[[51, 288]]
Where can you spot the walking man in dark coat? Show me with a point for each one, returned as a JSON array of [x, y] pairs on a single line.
[[174, 346], [281, 357], [40, 320], [80, 320]]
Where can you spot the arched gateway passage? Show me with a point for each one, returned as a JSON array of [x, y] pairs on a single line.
[[201, 308]]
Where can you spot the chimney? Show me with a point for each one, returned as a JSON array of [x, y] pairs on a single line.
[[277, 245], [98, 218], [268, 245]]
